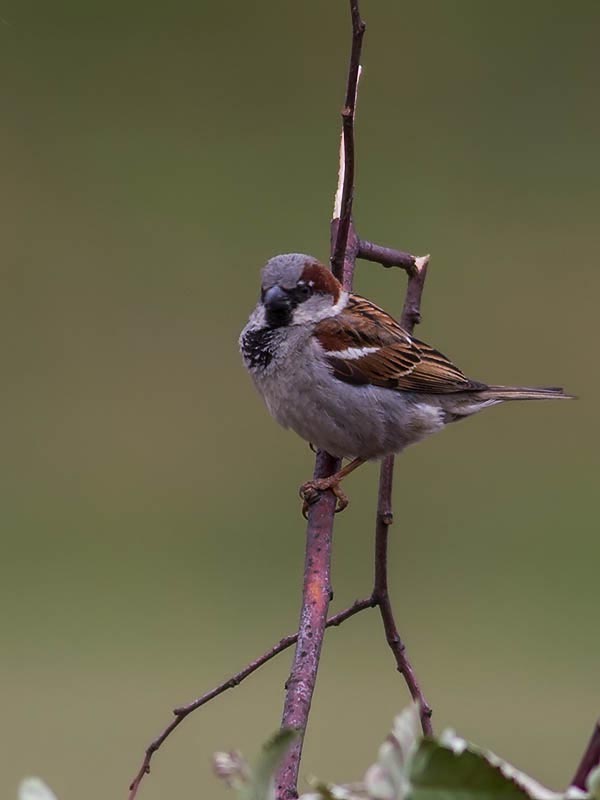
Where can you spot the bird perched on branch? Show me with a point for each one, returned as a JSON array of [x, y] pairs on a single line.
[[346, 377]]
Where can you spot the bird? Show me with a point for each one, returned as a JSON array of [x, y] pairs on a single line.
[[347, 377]]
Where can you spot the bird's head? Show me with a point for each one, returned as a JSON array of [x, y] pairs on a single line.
[[296, 289]]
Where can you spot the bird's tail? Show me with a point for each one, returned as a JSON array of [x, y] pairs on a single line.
[[524, 393]]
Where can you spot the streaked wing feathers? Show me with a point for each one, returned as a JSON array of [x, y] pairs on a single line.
[[365, 345]]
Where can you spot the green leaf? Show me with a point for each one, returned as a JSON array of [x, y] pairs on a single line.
[[35, 789], [439, 773], [260, 785], [453, 769], [408, 768]]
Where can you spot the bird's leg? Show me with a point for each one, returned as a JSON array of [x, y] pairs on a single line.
[[311, 490]]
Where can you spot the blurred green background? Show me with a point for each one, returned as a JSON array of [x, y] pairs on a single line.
[[154, 156]]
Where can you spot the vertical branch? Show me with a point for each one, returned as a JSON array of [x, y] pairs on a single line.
[[316, 591], [411, 311], [380, 592], [345, 194], [316, 594], [411, 314]]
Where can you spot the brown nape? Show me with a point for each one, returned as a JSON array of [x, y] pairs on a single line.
[[321, 279]]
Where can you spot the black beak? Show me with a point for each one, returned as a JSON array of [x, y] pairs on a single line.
[[276, 299], [278, 305]]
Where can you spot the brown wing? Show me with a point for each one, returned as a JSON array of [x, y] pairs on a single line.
[[364, 345]]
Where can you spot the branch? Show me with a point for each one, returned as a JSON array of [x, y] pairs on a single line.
[[411, 315], [416, 268], [183, 711], [386, 256], [411, 311], [345, 248], [316, 591], [345, 197], [589, 760], [316, 594], [380, 593]]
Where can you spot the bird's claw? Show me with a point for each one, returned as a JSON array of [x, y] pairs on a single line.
[[312, 490]]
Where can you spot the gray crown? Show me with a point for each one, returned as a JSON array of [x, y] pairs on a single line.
[[285, 270]]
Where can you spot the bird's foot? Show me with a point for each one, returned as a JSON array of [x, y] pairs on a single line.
[[312, 490]]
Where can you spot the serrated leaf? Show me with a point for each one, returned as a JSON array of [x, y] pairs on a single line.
[[412, 768], [260, 786], [439, 773], [35, 789], [453, 769]]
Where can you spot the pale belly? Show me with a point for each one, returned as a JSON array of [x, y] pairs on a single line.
[[350, 421]]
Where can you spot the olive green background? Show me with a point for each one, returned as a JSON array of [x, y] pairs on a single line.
[[153, 157]]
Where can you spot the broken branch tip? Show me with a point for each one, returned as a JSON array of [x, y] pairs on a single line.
[[421, 262]]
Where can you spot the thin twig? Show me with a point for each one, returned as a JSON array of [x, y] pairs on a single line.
[[350, 255], [380, 593], [416, 268], [411, 311], [348, 114], [386, 256], [411, 315], [183, 711], [589, 760]]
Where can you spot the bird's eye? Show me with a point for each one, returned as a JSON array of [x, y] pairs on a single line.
[[303, 290]]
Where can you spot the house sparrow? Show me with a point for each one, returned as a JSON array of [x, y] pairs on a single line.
[[345, 376]]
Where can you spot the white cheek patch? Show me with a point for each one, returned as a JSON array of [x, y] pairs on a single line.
[[352, 353], [318, 307]]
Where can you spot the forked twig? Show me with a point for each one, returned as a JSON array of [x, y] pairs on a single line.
[[184, 711]]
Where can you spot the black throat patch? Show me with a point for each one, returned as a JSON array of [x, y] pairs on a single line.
[[257, 347], [279, 317]]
